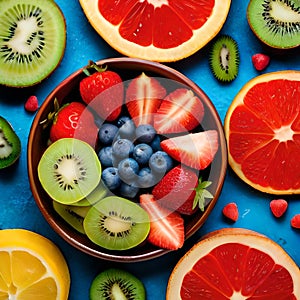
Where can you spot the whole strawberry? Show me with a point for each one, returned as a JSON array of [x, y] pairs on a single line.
[[103, 91], [74, 120], [260, 61], [182, 191]]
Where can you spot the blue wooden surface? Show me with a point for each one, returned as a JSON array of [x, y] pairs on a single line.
[[18, 208]]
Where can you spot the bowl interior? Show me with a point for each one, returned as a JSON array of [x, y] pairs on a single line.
[[68, 91]]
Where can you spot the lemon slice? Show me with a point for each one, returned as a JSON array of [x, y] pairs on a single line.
[[32, 267]]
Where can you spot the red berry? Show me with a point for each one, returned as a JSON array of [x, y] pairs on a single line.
[[32, 104], [278, 207], [231, 212], [260, 61], [295, 221]]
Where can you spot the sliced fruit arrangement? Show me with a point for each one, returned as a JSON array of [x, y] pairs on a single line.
[[158, 31], [263, 133], [10, 144], [117, 283], [275, 23], [106, 155], [32, 267], [33, 40], [235, 264]]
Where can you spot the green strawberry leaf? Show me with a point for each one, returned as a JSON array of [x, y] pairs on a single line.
[[201, 194]]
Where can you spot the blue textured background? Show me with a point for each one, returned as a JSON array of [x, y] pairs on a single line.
[[18, 208]]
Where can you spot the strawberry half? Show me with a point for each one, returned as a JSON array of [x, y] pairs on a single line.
[[103, 91], [166, 227], [74, 120], [180, 111], [181, 190], [196, 150], [143, 97]]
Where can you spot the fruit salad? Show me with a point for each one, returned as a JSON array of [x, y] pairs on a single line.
[[146, 163]]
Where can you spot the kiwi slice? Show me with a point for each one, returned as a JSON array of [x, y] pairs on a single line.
[[117, 284], [73, 215], [275, 22], [10, 144], [116, 223], [96, 195], [69, 170], [224, 58], [32, 41]]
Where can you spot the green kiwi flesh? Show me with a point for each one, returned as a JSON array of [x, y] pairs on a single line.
[[117, 284], [69, 170], [96, 195], [224, 58], [116, 223], [275, 22], [10, 144], [32, 41], [73, 215]]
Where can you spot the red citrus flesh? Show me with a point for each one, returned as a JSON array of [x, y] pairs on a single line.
[[262, 128], [235, 265], [159, 30]]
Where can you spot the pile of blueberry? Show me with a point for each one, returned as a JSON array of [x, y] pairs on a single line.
[[131, 157]]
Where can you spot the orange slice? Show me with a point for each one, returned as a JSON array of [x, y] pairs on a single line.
[[262, 128], [235, 264], [158, 30], [31, 267]]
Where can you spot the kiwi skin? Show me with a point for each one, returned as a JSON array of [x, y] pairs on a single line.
[[267, 26], [116, 283], [224, 58]]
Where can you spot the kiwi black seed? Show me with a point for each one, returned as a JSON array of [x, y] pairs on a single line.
[[10, 144], [275, 22], [69, 170], [116, 223], [224, 58], [73, 215], [32, 41], [112, 284]]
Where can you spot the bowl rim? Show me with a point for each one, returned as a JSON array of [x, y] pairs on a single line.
[[163, 71]]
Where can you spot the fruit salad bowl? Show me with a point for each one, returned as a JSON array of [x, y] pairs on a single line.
[[177, 92]]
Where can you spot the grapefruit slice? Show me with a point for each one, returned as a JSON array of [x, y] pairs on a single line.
[[262, 128], [235, 263], [158, 30]]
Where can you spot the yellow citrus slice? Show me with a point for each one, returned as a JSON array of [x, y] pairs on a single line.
[[235, 263], [262, 128], [158, 30], [31, 267]]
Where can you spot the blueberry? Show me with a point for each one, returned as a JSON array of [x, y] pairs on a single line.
[[105, 156], [155, 144], [128, 169], [128, 190], [126, 127], [142, 153], [111, 178], [122, 148], [146, 178], [160, 162], [107, 133], [145, 133]]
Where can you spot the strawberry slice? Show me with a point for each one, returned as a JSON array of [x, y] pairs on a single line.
[[196, 150], [143, 97], [166, 227], [180, 111], [181, 190]]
